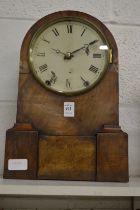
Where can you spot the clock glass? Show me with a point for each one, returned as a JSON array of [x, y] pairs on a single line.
[[68, 55]]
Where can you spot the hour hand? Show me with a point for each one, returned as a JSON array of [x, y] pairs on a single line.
[[67, 56], [58, 51]]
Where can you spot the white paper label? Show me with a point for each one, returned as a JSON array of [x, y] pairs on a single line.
[[17, 164], [68, 109]]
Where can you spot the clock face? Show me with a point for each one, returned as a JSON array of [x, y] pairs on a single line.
[[68, 56]]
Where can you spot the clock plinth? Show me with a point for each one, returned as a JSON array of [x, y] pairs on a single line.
[[57, 146], [85, 158], [21, 152], [67, 157], [112, 155]]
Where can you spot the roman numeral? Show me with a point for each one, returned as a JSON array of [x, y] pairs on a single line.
[[67, 83], [96, 55], [93, 69], [85, 82], [69, 28], [83, 31], [52, 80], [40, 54], [45, 40], [43, 68], [55, 32], [48, 82]]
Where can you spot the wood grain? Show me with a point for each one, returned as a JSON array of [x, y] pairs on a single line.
[[44, 109], [112, 156], [67, 157], [21, 144], [68, 148]]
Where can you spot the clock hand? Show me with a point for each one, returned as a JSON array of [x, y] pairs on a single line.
[[58, 51], [67, 55], [86, 47], [93, 42], [77, 50]]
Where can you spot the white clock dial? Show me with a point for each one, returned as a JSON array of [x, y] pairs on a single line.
[[68, 56]]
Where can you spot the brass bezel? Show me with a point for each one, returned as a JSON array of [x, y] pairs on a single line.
[[76, 19]]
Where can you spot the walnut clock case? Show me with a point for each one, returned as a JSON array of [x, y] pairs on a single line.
[[67, 125]]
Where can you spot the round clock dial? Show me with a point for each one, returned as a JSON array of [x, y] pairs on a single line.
[[68, 56]]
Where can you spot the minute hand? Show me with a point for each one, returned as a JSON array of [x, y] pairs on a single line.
[[86, 45], [93, 42]]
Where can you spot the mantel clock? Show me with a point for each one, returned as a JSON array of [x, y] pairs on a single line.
[[67, 125]]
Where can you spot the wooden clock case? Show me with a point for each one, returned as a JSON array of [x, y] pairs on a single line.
[[90, 146]]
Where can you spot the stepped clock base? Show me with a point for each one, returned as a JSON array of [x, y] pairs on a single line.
[[103, 157], [112, 155], [67, 157], [21, 152]]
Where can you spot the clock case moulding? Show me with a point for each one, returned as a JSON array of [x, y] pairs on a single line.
[[90, 146]]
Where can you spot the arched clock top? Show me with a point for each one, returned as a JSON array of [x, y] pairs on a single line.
[[54, 61], [60, 16]]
